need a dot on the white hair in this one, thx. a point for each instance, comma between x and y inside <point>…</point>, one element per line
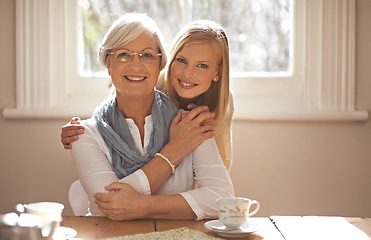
<point>127,28</point>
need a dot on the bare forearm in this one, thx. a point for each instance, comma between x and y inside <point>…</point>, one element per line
<point>186,134</point>
<point>158,170</point>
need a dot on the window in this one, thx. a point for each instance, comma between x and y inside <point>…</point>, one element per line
<point>260,32</point>
<point>318,83</point>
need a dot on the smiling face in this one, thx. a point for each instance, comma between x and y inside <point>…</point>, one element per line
<point>135,78</point>
<point>194,68</point>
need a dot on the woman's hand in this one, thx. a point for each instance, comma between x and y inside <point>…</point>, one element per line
<point>125,203</point>
<point>209,120</point>
<point>188,131</point>
<point>70,132</point>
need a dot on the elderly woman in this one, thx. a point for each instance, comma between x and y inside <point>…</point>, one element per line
<point>127,141</point>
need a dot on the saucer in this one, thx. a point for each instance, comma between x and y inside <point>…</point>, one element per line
<point>63,233</point>
<point>243,231</point>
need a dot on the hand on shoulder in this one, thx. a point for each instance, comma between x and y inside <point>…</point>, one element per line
<point>70,132</point>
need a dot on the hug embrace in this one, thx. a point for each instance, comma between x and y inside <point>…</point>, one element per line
<point>160,145</point>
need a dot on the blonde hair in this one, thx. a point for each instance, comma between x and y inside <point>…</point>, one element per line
<point>217,96</point>
<point>126,29</point>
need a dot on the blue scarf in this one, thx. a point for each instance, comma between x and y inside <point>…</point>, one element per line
<point>115,131</point>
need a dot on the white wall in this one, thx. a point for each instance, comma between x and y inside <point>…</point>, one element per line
<point>291,168</point>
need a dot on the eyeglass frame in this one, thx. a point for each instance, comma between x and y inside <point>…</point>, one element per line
<point>132,54</point>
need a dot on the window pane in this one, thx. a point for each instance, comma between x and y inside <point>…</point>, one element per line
<point>96,17</point>
<point>259,31</point>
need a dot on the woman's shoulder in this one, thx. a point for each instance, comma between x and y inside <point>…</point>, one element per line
<point>89,123</point>
<point>91,127</point>
<point>92,134</point>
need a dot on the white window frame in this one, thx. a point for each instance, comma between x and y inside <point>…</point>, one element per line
<point>322,86</point>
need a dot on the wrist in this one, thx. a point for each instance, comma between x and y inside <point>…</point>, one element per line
<point>171,165</point>
<point>147,206</point>
<point>172,153</point>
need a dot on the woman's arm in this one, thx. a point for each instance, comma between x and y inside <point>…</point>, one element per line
<point>91,157</point>
<point>72,130</point>
<point>94,168</point>
<point>186,133</point>
<point>212,178</point>
<point>211,175</point>
<point>125,203</point>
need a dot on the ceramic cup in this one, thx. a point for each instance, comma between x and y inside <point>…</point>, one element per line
<point>49,212</point>
<point>234,211</point>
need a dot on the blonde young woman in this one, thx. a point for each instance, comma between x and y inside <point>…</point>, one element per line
<point>138,146</point>
<point>198,48</point>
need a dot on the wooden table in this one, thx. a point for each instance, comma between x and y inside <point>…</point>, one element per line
<point>266,229</point>
<point>323,228</point>
<point>285,228</point>
<point>101,227</point>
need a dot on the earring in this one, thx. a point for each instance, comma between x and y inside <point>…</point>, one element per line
<point>215,79</point>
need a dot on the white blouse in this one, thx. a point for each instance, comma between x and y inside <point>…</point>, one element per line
<point>93,162</point>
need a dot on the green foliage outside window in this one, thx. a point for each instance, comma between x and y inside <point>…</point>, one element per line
<point>260,31</point>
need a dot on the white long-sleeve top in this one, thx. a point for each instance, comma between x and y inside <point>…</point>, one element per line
<point>93,162</point>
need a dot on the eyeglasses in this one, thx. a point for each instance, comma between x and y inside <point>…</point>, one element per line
<point>125,56</point>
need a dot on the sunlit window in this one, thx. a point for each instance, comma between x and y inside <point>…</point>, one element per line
<point>260,31</point>
<point>290,59</point>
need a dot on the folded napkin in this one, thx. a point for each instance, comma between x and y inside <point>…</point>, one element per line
<point>179,233</point>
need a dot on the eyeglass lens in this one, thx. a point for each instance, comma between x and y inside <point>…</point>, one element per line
<point>127,56</point>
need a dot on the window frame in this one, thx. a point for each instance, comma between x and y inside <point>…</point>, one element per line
<point>322,86</point>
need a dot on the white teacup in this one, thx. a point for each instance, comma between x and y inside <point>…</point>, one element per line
<point>49,212</point>
<point>234,211</point>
